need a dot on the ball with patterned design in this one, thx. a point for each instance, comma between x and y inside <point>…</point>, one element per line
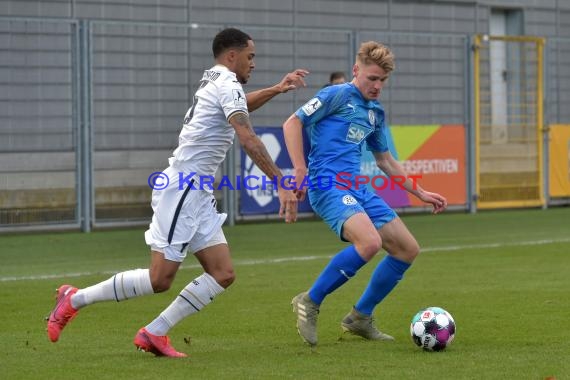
<point>432,329</point>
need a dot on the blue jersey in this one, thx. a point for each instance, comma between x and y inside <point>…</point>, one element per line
<point>338,121</point>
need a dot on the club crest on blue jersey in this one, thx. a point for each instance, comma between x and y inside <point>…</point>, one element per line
<point>371,117</point>
<point>311,106</point>
<point>356,133</point>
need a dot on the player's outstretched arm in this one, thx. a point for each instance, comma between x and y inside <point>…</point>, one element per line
<point>292,131</point>
<point>255,149</point>
<point>388,164</point>
<point>291,81</point>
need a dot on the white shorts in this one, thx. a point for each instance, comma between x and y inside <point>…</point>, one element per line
<point>184,219</point>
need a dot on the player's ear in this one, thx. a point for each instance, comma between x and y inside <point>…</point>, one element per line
<point>231,55</point>
<point>355,69</point>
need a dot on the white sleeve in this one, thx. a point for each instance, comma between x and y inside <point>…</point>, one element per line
<point>232,97</point>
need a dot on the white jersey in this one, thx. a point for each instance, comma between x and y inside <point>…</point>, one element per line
<point>207,135</point>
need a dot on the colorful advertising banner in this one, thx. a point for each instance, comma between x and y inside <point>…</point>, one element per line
<point>434,155</point>
<point>559,168</point>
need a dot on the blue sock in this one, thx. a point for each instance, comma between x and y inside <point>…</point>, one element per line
<point>384,278</point>
<point>339,270</point>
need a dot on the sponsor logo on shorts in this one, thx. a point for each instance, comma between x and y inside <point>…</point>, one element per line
<point>349,200</point>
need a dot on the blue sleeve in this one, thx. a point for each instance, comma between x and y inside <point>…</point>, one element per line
<point>321,105</point>
<point>377,141</point>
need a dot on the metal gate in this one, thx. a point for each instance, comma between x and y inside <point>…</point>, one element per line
<point>508,72</point>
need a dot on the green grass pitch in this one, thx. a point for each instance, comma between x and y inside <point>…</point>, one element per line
<point>503,275</point>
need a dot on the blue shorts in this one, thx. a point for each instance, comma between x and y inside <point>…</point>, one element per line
<point>335,206</point>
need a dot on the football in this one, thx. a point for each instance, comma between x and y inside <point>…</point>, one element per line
<point>432,329</point>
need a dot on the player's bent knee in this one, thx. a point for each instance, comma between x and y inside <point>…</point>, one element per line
<point>160,285</point>
<point>412,251</point>
<point>415,252</point>
<point>369,248</point>
<point>224,277</point>
<point>375,246</point>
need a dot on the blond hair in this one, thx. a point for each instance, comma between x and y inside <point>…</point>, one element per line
<point>374,52</point>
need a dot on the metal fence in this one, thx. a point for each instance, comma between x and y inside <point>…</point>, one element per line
<point>89,109</point>
<point>39,123</point>
<point>557,77</point>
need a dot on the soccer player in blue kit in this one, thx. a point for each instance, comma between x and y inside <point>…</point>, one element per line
<point>338,120</point>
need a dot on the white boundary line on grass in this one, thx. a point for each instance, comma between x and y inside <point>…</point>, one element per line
<point>301,258</point>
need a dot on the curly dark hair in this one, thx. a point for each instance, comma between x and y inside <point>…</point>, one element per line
<point>229,38</point>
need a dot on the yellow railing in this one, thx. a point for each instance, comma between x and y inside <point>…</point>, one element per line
<point>508,97</point>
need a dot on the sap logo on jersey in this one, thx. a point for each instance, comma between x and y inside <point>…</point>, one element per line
<point>356,133</point>
<point>311,106</point>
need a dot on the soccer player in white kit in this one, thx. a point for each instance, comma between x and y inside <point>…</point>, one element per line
<point>185,216</point>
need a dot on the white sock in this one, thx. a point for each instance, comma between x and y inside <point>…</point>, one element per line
<point>193,298</point>
<point>120,287</point>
